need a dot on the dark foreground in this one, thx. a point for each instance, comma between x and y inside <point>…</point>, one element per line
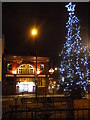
<point>45,108</point>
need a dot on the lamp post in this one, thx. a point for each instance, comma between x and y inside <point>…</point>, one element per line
<point>34,33</point>
<point>51,71</point>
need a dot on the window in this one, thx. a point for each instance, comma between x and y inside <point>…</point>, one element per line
<point>42,67</point>
<point>9,66</point>
<point>25,87</point>
<point>26,69</point>
<point>43,82</point>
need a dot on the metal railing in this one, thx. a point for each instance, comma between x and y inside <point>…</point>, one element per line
<point>46,111</point>
<point>47,114</point>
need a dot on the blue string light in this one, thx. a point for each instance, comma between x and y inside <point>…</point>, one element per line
<point>74,64</point>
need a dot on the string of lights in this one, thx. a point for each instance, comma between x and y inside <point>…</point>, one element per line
<point>74,65</point>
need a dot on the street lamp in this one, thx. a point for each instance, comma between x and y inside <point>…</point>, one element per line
<point>34,33</point>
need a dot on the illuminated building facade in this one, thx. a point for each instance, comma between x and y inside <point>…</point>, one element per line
<point>19,74</point>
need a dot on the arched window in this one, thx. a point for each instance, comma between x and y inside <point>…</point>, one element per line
<point>25,69</point>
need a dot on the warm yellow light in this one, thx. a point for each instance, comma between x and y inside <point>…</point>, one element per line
<point>38,71</point>
<point>89,81</point>
<point>34,32</point>
<point>54,82</point>
<point>55,68</point>
<point>14,72</point>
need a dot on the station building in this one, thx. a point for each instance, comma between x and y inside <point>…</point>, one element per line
<point>20,75</point>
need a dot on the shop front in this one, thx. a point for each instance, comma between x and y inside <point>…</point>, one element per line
<point>25,87</point>
<point>19,74</point>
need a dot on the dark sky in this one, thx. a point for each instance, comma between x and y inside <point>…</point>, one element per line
<point>49,18</point>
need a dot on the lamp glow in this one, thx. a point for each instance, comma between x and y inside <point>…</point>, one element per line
<point>38,71</point>
<point>34,32</point>
<point>14,72</point>
<point>55,68</point>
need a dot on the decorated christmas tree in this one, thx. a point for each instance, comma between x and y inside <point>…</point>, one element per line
<point>74,65</point>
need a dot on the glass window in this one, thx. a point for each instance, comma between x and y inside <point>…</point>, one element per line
<point>25,69</point>
<point>42,67</point>
<point>25,87</point>
<point>43,82</point>
<point>9,66</point>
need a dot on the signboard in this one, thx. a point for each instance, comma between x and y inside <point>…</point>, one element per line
<point>51,71</point>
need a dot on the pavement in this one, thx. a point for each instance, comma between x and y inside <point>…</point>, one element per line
<point>5,98</point>
<point>33,95</point>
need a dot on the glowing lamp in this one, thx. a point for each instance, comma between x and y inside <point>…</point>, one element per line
<point>54,82</point>
<point>38,71</point>
<point>51,71</point>
<point>89,81</point>
<point>34,32</point>
<point>14,72</point>
<point>55,68</point>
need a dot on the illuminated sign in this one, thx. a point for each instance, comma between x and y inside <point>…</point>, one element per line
<point>51,71</point>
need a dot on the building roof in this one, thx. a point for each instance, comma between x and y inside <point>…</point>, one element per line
<point>25,58</point>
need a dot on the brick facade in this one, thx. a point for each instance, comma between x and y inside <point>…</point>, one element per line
<point>19,74</point>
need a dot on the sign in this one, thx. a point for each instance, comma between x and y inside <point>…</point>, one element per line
<point>51,71</point>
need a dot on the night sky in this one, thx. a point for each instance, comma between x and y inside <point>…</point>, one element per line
<point>49,18</point>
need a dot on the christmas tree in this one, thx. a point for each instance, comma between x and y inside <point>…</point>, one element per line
<point>74,65</point>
